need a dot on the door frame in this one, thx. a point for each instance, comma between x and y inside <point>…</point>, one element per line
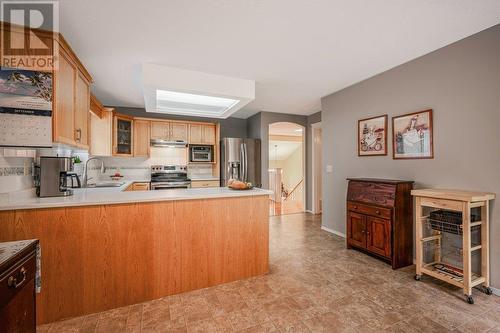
<point>315,171</point>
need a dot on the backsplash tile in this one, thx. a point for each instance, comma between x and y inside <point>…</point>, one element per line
<point>13,171</point>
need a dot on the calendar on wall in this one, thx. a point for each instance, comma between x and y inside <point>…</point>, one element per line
<point>25,108</point>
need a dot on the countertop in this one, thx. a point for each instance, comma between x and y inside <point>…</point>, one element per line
<point>116,195</point>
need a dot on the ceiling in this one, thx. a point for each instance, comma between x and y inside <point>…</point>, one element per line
<point>296,50</point>
<point>281,150</point>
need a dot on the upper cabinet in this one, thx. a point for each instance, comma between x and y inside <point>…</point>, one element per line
<point>64,95</point>
<point>123,135</point>
<point>179,131</point>
<point>169,131</point>
<point>202,134</point>
<point>71,118</point>
<point>82,114</point>
<point>160,130</point>
<point>141,138</point>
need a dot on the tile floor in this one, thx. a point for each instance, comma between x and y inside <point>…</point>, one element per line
<point>315,285</point>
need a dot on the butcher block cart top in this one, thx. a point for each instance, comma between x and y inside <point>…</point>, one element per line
<point>463,213</point>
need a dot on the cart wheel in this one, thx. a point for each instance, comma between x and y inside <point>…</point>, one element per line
<point>488,291</point>
<point>470,300</point>
<point>418,277</point>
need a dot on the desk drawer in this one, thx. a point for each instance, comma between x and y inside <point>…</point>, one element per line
<point>16,278</point>
<point>369,210</point>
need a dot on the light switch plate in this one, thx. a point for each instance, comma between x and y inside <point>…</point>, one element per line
<point>329,168</point>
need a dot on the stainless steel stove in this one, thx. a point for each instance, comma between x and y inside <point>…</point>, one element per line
<point>164,177</point>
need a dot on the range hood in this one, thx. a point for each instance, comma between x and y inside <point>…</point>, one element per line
<point>168,144</point>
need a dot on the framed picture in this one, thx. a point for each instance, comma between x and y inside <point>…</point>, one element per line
<point>412,136</point>
<point>372,136</point>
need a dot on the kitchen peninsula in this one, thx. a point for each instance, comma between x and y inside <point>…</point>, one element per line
<point>106,248</point>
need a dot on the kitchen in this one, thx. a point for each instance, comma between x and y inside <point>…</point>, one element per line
<point>137,153</point>
<point>100,188</point>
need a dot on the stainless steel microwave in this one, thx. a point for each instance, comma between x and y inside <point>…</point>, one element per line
<point>201,153</point>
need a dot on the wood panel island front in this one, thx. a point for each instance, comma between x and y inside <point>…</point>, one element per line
<point>102,256</point>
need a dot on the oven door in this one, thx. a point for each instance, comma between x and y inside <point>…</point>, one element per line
<point>170,185</point>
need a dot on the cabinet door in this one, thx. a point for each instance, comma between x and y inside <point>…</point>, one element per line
<point>378,236</point>
<point>208,134</point>
<point>64,115</point>
<point>356,229</point>
<point>195,133</point>
<point>141,138</point>
<point>206,183</point>
<point>160,130</point>
<point>82,107</point>
<point>178,131</point>
<point>122,136</point>
<point>101,134</point>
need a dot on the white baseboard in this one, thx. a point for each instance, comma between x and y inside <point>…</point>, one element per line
<point>332,231</point>
<point>496,291</point>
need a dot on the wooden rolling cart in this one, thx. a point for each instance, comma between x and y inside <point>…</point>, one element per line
<point>461,213</point>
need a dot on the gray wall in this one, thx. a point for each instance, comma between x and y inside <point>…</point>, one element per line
<point>314,118</point>
<point>230,127</point>
<point>461,82</point>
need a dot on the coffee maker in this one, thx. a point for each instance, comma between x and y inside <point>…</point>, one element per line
<point>51,176</point>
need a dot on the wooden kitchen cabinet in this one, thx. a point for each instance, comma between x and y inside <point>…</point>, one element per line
<point>123,135</point>
<point>17,286</point>
<point>70,91</point>
<point>138,187</point>
<point>64,96</point>
<point>179,131</point>
<point>71,95</point>
<point>208,134</point>
<point>101,132</point>
<point>82,114</point>
<point>169,131</point>
<point>141,138</point>
<point>205,183</point>
<point>380,219</point>
<point>202,134</point>
<point>160,130</point>
<point>195,133</point>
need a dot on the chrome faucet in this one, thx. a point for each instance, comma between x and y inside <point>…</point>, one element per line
<point>85,170</point>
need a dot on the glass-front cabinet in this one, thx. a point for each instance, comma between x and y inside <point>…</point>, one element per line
<point>122,135</point>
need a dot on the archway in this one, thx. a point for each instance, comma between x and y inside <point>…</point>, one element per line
<point>287,168</point>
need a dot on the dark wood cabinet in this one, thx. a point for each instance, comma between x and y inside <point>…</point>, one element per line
<point>17,286</point>
<point>380,219</point>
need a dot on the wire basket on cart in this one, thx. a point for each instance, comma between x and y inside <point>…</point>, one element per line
<point>450,221</point>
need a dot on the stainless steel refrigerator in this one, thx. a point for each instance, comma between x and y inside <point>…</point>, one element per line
<point>240,159</point>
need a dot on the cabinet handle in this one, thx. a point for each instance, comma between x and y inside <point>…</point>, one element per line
<point>355,207</point>
<point>79,134</point>
<point>378,212</point>
<point>12,282</point>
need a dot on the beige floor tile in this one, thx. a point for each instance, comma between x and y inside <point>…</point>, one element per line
<point>315,285</point>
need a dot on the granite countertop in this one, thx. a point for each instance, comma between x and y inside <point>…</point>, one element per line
<point>116,195</point>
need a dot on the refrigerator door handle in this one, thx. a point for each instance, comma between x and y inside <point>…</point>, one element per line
<point>246,162</point>
<point>243,165</point>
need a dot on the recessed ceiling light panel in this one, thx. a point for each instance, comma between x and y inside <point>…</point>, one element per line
<point>184,103</point>
<point>183,92</point>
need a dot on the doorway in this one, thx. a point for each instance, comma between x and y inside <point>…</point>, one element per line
<point>286,168</point>
<point>317,197</point>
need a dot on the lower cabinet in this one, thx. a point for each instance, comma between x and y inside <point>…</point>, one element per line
<point>17,287</point>
<point>369,233</point>
<point>205,183</point>
<point>138,187</point>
